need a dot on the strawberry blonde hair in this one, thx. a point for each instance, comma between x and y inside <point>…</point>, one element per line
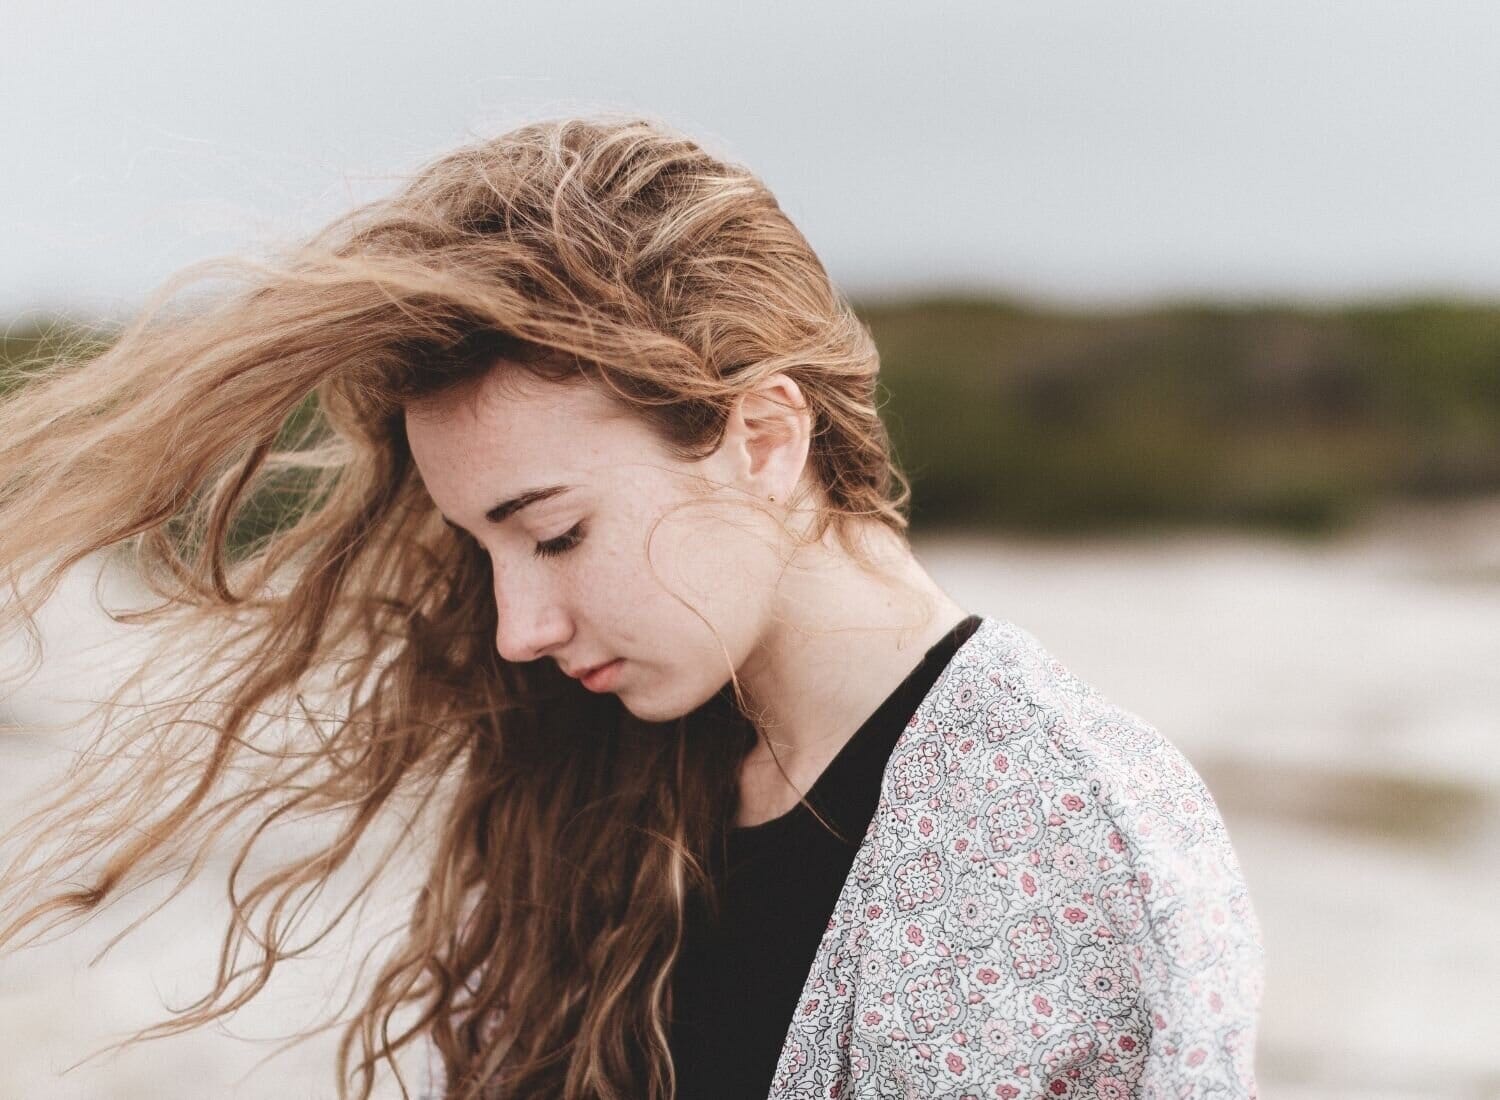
<point>249,454</point>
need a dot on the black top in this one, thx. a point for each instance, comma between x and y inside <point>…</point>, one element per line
<point>736,983</point>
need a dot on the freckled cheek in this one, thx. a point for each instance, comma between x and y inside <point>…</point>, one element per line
<point>713,563</point>
<point>607,570</point>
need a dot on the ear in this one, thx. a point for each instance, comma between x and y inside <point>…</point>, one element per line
<point>767,437</point>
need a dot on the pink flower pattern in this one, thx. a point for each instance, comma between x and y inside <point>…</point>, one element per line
<point>1073,924</point>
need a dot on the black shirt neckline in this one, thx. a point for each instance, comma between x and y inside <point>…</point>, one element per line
<point>743,963</point>
<point>827,792</point>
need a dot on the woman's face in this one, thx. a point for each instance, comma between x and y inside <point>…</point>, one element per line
<point>571,574</point>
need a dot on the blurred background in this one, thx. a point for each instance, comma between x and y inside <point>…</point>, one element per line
<point>1190,323</point>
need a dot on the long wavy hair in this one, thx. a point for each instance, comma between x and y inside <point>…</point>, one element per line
<point>246,449</point>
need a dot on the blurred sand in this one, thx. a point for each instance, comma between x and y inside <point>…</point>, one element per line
<point>1340,698</point>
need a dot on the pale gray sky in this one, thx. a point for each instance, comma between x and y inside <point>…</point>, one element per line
<point>1083,150</point>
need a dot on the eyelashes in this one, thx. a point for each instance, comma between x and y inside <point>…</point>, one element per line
<point>562,544</point>
<point>551,548</point>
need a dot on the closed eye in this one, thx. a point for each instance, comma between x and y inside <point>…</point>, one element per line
<point>560,545</point>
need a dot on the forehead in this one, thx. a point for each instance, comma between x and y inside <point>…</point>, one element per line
<point>505,433</point>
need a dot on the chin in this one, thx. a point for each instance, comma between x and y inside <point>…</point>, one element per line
<point>653,710</point>
<point>662,709</point>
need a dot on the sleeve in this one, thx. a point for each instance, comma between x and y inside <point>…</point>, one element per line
<point>1199,960</point>
<point>1172,895</point>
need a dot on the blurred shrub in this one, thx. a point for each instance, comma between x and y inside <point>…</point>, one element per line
<point>1052,421</point>
<point>1273,416</point>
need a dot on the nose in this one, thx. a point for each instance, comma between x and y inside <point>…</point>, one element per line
<point>529,623</point>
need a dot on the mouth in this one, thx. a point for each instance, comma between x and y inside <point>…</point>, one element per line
<point>601,677</point>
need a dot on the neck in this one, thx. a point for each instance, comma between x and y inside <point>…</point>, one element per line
<point>839,642</point>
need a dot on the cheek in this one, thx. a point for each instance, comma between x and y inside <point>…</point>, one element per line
<point>721,563</point>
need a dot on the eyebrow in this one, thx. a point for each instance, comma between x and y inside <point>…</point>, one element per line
<point>507,508</point>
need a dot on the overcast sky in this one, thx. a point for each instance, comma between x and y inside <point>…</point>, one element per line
<point>1080,150</point>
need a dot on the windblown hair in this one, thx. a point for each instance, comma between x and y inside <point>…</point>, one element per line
<point>569,835</point>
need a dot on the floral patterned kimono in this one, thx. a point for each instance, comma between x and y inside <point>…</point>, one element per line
<point>1045,905</point>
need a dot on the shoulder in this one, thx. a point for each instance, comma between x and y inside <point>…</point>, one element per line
<point>1010,717</point>
<point>1074,858</point>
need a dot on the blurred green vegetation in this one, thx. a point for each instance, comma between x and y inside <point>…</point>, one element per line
<point>1272,416</point>
<point>1017,418</point>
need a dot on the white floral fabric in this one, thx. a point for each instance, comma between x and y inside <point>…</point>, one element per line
<point>1046,904</point>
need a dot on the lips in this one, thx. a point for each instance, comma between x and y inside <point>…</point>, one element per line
<point>605,677</point>
<point>580,673</point>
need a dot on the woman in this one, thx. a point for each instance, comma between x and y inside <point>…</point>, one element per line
<point>558,480</point>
